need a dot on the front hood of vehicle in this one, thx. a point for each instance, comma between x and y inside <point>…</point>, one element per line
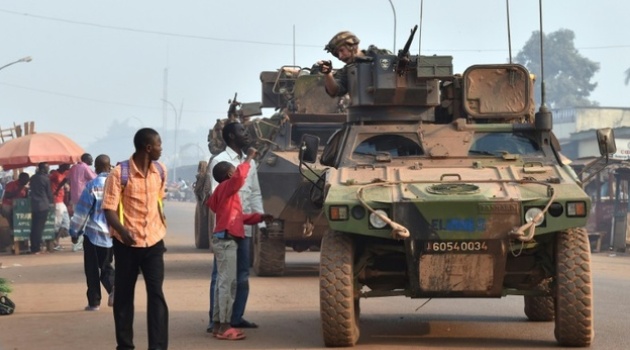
<point>488,201</point>
<point>417,183</point>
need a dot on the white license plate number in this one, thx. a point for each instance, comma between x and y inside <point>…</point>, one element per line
<point>455,247</point>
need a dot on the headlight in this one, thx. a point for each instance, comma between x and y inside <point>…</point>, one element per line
<point>376,221</point>
<point>358,212</point>
<point>531,213</point>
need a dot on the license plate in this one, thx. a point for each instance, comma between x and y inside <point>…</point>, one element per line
<point>432,247</point>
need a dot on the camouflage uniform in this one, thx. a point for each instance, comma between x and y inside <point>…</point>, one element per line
<point>341,75</point>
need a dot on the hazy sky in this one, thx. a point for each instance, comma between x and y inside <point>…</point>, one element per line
<point>95,62</point>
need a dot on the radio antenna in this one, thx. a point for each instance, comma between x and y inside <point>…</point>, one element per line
<point>542,60</point>
<point>420,32</point>
<point>509,31</point>
<point>543,119</point>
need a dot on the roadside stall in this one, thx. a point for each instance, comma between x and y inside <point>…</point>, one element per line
<point>22,225</point>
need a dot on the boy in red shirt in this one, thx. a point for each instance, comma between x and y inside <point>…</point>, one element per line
<point>226,204</point>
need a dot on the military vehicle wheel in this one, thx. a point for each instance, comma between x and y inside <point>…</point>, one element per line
<point>269,255</point>
<point>574,289</point>
<point>540,309</point>
<point>338,306</point>
<point>202,239</point>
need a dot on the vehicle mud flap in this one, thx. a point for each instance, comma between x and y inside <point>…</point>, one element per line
<point>269,254</point>
<point>442,268</point>
<point>202,226</point>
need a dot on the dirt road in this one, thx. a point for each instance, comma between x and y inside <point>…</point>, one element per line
<point>49,291</point>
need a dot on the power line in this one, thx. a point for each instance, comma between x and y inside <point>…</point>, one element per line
<point>154,32</point>
<point>202,37</point>
<point>99,101</point>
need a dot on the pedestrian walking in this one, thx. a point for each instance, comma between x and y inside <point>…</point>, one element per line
<point>79,175</point>
<point>89,221</point>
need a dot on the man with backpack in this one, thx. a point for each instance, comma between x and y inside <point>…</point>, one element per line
<point>78,176</point>
<point>89,220</point>
<point>132,201</point>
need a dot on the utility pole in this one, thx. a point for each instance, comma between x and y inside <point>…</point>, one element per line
<point>164,105</point>
<point>178,117</point>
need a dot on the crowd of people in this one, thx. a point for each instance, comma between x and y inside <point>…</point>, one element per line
<point>48,194</point>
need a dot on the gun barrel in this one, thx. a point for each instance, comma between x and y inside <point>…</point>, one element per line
<point>403,55</point>
<point>405,50</point>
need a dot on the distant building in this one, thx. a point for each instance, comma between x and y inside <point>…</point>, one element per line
<point>575,129</point>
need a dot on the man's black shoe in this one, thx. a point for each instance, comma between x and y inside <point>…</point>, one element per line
<point>245,324</point>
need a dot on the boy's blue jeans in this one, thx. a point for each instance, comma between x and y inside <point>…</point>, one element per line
<point>243,258</point>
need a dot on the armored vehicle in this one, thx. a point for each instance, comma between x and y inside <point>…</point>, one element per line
<point>302,106</point>
<point>444,185</point>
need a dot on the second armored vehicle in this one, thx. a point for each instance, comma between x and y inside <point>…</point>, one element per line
<point>302,107</point>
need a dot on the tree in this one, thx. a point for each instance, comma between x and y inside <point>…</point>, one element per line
<point>568,74</point>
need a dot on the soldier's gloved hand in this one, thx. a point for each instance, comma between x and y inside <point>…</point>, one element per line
<point>325,67</point>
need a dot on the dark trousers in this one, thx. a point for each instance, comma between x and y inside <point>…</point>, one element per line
<point>129,261</point>
<point>38,221</point>
<point>97,264</point>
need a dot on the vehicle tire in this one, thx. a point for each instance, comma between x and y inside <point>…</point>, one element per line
<point>202,239</point>
<point>540,309</point>
<point>338,305</point>
<point>269,255</point>
<point>574,289</point>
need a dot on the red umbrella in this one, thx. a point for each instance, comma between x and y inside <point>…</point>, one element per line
<point>32,149</point>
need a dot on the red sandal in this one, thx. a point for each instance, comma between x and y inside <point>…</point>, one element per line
<point>231,334</point>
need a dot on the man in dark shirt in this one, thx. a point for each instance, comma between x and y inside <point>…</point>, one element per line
<point>41,204</point>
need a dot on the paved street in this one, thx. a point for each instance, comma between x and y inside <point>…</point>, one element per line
<point>49,291</point>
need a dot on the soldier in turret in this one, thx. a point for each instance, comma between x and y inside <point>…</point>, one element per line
<point>345,47</point>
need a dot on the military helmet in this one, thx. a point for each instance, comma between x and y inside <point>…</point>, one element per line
<point>341,38</point>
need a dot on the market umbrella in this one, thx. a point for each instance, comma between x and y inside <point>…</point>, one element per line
<point>32,149</point>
